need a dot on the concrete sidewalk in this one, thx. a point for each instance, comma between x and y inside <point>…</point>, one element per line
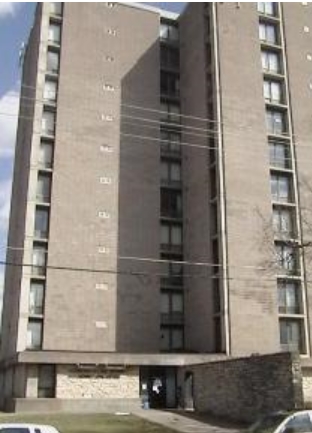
<point>182,423</point>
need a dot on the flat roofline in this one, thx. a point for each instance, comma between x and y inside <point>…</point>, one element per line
<point>112,358</point>
<point>163,14</point>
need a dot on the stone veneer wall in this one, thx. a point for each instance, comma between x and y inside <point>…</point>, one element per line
<point>244,388</point>
<point>71,384</point>
<point>307,386</point>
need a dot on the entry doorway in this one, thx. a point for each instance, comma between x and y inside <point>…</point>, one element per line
<point>158,385</point>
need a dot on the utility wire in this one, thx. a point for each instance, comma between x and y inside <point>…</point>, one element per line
<point>143,274</point>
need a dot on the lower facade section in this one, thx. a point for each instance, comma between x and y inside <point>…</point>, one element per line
<point>235,388</point>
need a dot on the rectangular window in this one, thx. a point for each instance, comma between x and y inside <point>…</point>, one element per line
<point>46,381</point>
<point>34,334</point>
<point>289,298</point>
<point>276,122</point>
<point>165,339</point>
<point>41,222</point>
<point>280,156</point>
<point>171,339</point>
<point>170,143</point>
<point>169,57</point>
<point>270,61</point>
<point>272,91</point>
<point>36,297</point>
<point>169,84</point>
<point>39,259</point>
<point>170,173</point>
<point>281,188</point>
<point>171,274</point>
<point>169,32</point>
<point>268,33</point>
<point>171,308</point>
<point>283,222</point>
<point>171,203</point>
<point>56,8</point>
<point>50,89</point>
<point>217,334</point>
<point>286,259</point>
<point>45,158</point>
<point>170,113</point>
<point>171,237</point>
<point>177,339</point>
<point>43,188</point>
<point>48,123</point>
<point>216,296</point>
<point>53,62</point>
<point>292,335</point>
<point>54,34</point>
<point>267,8</point>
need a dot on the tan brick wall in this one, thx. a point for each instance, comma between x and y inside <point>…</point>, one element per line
<point>110,384</point>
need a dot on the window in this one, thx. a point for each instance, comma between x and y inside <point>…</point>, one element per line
<point>36,295</point>
<point>170,173</point>
<point>270,61</point>
<point>283,222</point>
<point>169,57</point>
<point>281,189</point>
<point>272,91</point>
<point>300,423</point>
<point>169,84</point>
<point>171,237</point>
<point>286,258</point>
<point>14,430</point>
<point>280,155</point>
<point>171,308</point>
<point>291,335</point>
<point>50,89</point>
<point>53,62</point>
<point>171,274</point>
<point>56,8</point>
<point>170,143</point>
<point>276,122</point>
<point>45,158</point>
<point>289,297</point>
<point>214,218</point>
<point>43,187</point>
<point>41,222</point>
<point>217,334</point>
<point>48,122</point>
<point>39,259</point>
<point>170,113</point>
<point>169,32</point>
<point>267,8</point>
<point>46,381</point>
<point>34,334</point>
<point>213,182</point>
<point>216,296</point>
<point>54,35</point>
<point>171,203</point>
<point>268,33</point>
<point>171,339</point>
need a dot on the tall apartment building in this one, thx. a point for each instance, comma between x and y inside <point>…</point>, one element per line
<point>161,201</point>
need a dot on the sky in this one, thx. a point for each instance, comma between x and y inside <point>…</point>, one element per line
<point>15,23</point>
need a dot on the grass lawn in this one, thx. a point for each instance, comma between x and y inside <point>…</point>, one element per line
<point>89,423</point>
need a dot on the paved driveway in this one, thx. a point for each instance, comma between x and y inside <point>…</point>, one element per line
<point>184,423</point>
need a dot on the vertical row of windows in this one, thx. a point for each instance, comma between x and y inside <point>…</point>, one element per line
<point>289,285</point>
<point>171,206</point>
<point>44,182</point>
<point>215,253</point>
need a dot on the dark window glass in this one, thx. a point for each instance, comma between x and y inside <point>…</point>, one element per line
<point>171,203</point>
<point>46,381</point>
